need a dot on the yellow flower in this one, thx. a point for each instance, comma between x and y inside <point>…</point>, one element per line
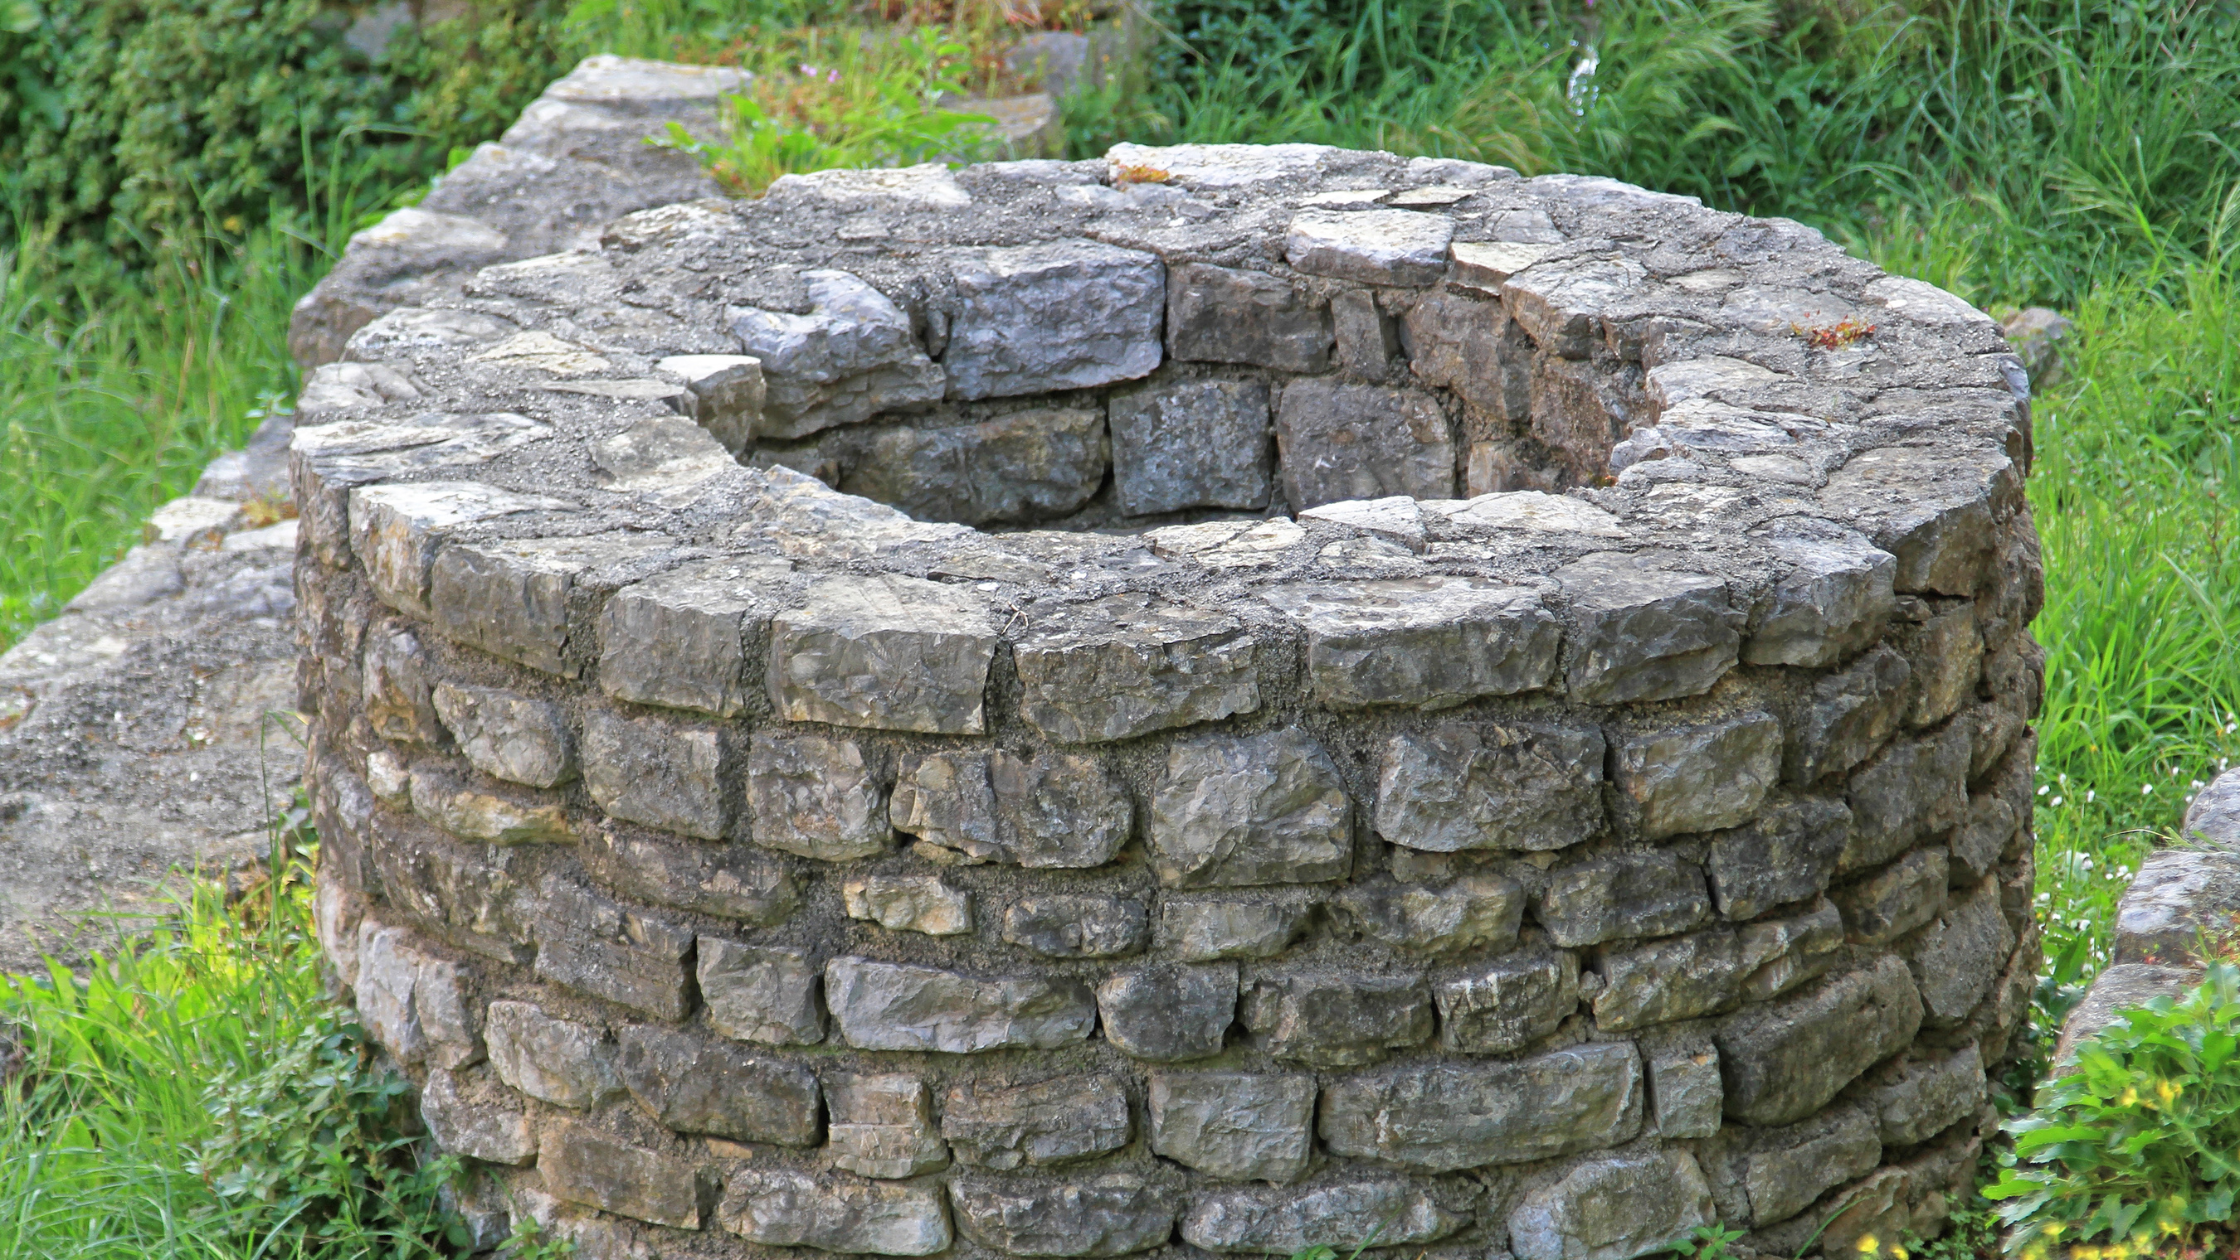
<point>1899,1253</point>
<point>2035,1251</point>
<point>2128,1098</point>
<point>2168,1091</point>
<point>1868,1246</point>
<point>2054,1230</point>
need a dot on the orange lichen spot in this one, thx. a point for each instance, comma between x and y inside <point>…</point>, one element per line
<point>1140,174</point>
<point>1836,336</point>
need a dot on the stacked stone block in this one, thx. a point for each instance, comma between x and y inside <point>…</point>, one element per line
<point>1501,741</point>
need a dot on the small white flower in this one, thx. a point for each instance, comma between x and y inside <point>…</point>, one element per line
<point>2146,789</point>
<point>2055,802</point>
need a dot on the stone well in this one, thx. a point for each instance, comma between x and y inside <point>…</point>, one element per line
<point>1213,700</point>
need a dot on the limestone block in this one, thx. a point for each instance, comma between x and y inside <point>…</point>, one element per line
<point>1642,632</point>
<point>1703,776</point>
<point>477,889</point>
<point>1261,809</point>
<point>1991,825</point>
<point>1470,912</point>
<point>780,1207</point>
<point>1020,466</point>
<point>1896,899</point>
<point>2214,816</point>
<point>1916,787</point>
<point>926,186</point>
<point>1432,642</point>
<point>507,735</point>
<point>882,1125</point>
<point>1460,343</point>
<point>2119,988</point>
<point>583,1165</point>
<point>816,797</point>
<point>496,1135</point>
<point>908,903</point>
<point>1337,440</point>
<point>1206,929</point>
<point>1935,509</point>
<point>1329,1019</point>
<point>765,993</point>
<point>1788,853</point>
<point>1076,925</point>
<point>1448,1116</point>
<point>1227,315</point>
<point>1126,665</point>
<point>1286,1222</point>
<point>723,393</point>
<point>398,696</point>
<point>1782,1171</point>
<point>687,639</point>
<point>414,1003</point>
<point>2178,897</point>
<point>1451,787</point>
<point>1848,716</point>
<point>1057,1121</point>
<point>1195,443</point>
<point>1507,1003</point>
<point>349,386</point>
<point>1706,972</point>
<point>727,881</point>
<point>552,1060</point>
<point>1487,265</point>
<point>1787,952</point>
<point>1622,894</point>
<point>1957,958</point>
<point>1167,1013</point>
<point>1368,340</point>
<point>1922,1097</point>
<point>608,950</point>
<point>1238,1126</point>
<point>664,774</point>
<point>512,599</point>
<point>1947,660</point>
<point>697,1086</point>
<point>328,462</point>
<point>474,811</point>
<point>851,357</point>
<point>1613,1208</point>
<point>1057,810</point>
<point>1560,302</point>
<point>893,653</point>
<point>1058,315</point>
<point>1395,247</point>
<point>396,530</point>
<point>1112,1215</point>
<point>1833,599</point>
<point>895,1006</point>
<point>1784,1060</point>
<point>1684,1091</point>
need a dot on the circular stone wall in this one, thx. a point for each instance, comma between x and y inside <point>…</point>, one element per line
<point>1485,711</point>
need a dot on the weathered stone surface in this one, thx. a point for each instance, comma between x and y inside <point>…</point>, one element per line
<point>765,993</point>
<point>557,1061</point>
<point>1060,315</point>
<point>663,774</point>
<point>1645,632</point>
<point>512,598</point>
<point>1782,1171</point>
<point>1126,665</point>
<point>1470,347</point>
<point>583,1165</point>
<point>1166,1012</point>
<point>1788,853</point>
<point>1956,959</point>
<point>1787,952</point>
<point>1530,786</point>
<point>1784,1060</point>
<point>1227,315</point>
<point>686,639</point>
<point>1947,660</point>
<point>1368,340</point>
<point>1622,894</point>
<point>1433,642</point>
<point>1935,509</point>
<point>507,735</point>
<point>493,815</point>
<point>1980,840</point>
<point>697,1086</point>
<point>1443,1117</point>
<point>1560,301</point>
<point>2118,989</point>
<point>612,951</point>
<point>1833,600</point>
<point>1077,925</point>
<point>2178,897</point>
<point>849,358</point>
<point>723,393</point>
<point>1700,777</point>
<point>1704,973</point>
<point>1206,929</point>
<point>727,881</point>
<point>1916,787</point>
<point>2214,816</point>
<point>1508,1003</point>
<point>1329,1019</point>
<point>1021,466</point>
<point>1397,247</point>
<point>1923,1097</point>
<point>1613,1208</point>
<point>1197,443</point>
<point>1472,911</point>
<point>398,695</point>
<point>462,1126</point>
<point>1285,1222</point>
<point>892,653</point>
<point>1239,1126</point>
<point>895,1006</point>
<point>1896,899</point>
<point>396,530</point>
<point>816,797</point>
<point>1848,716</point>
<point>1685,1096</point>
<point>478,890</point>
<point>1261,809</point>
<point>1057,1121</point>
<point>412,1002</point>
<point>882,1125</point>
<point>1337,440</point>
<point>908,903</point>
<point>1113,1215</point>
<point>780,1207</point>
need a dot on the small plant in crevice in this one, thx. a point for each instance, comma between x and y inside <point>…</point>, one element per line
<point>1707,1242</point>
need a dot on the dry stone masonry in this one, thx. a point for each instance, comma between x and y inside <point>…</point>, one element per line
<point>1207,701</point>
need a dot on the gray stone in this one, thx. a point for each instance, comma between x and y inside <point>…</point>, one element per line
<point>412,1003</point>
<point>1327,1019</point>
<point>1528,785</point>
<point>1057,1121</point>
<point>893,653</point>
<point>1396,247</point>
<point>908,903</point>
<point>1788,853</point>
<point>1957,958</point>
<point>667,459</point>
<point>1787,952</point>
<point>1613,1208</point>
<point>1947,662</point>
<point>1239,1126</point>
<point>477,889</point>
<point>493,1134</point>
<point>686,639</point>
<point>2179,898</point>
<point>1508,1003</point>
<point>1077,926</point>
<point>513,598</point>
<point>946,800</point>
<point>2214,817</point>
<point>723,393</point>
<point>697,1086</point>
<point>765,993</point>
<point>2118,989</point>
<point>724,880</point>
<point>1368,340</point>
<point>1934,508</point>
<point>1196,443</point>
<point>1058,810</point>
<point>396,530</point>
<point>882,1125</point>
<point>1059,315</point>
<point>1021,466</point>
<point>1848,716</point>
<point>1916,787</point>
<point>1227,315</point>
<point>1432,642</point>
<point>816,797</point>
<point>895,1006</point>
<point>582,1165</point>
<point>1680,977</point>
<point>1782,1171</point>
<point>851,357</point>
<point>399,698</point>
<point>1449,1116</point>
<point>1472,911</point>
<point>1113,1215</point>
<point>1923,1097</point>
<point>1126,665</point>
<point>1471,347</point>
<point>1896,899</point>
<point>552,1060</point>
<point>661,773</point>
<point>1261,809</point>
<point>1622,894</point>
<point>1704,776</point>
<point>1784,1060</point>
<point>1208,929</point>
<point>1685,1096</point>
<point>493,815</point>
<point>1560,302</point>
<point>1643,632</point>
<point>780,1207</point>
<point>1341,1216</point>
<point>1833,600</point>
<point>1337,440</point>
<point>507,735</point>
<point>612,951</point>
<point>1167,1012</point>
<point>1983,837</point>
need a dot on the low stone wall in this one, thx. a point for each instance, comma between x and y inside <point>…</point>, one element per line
<point>1507,729</point>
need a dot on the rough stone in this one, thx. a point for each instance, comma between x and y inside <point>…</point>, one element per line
<point>1286,1222</point>
<point>1472,911</point>
<point>2178,898</point>
<point>892,653</point>
<point>1788,853</point>
<point>1980,841</point>
<point>723,393</point>
<point>1916,787</point>
<point>1685,1096</point>
<point>1643,632</point>
<point>1833,600</point>
<point>1199,443</point>
<point>896,1006</point>
<point>1057,810</point>
<point>1021,466</point>
<point>1621,894</point>
<point>1077,925</point>
<point>686,639</point>
<point>1787,952</point>
<point>1060,315</point>
<point>696,1086</point>
<point>1336,440</point>
<point>398,695</point>
<point>512,598</point>
<point>764,993</point>
<point>1261,809</point>
<point>1923,1097</point>
<point>908,903</point>
<point>1209,929</point>
<point>1368,339</point>
<point>1227,315</point>
<point>1848,716</point>
<point>1239,1126</point>
<point>472,811</point>
<point>612,951</point>
<point>882,1125</point>
<point>849,358</point>
<point>507,735</point>
<point>816,797</point>
<point>1057,1121</point>
<point>2119,988</point>
<point>1444,1117</point>
<point>1432,642</point>
<point>2214,816</point>
<point>1896,899</point>
<point>1333,1019</point>
<point>1508,1003</point>
<point>1784,1060</point>
<point>1469,346</point>
<point>1127,665</point>
<point>1613,1208</point>
<point>1935,509</point>
<point>727,881</point>
<point>1167,1013</point>
<point>1559,301</point>
<point>663,774</point>
<point>1112,1215</point>
<point>1782,1171</point>
<point>395,531</point>
<point>1396,247</point>
<point>1700,777</point>
<point>414,1003</point>
<point>779,1207</point>
<point>1956,959</point>
<point>1529,786</point>
<point>582,1165</point>
<point>493,1134</point>
<point>1947,662</point>
<point>552,1060</point>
